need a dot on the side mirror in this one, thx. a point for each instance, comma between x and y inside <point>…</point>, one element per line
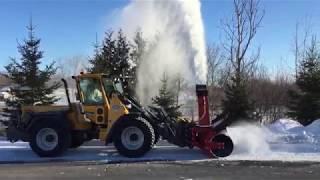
<point>82,109</point>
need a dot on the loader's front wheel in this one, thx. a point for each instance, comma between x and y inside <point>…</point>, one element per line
<point>156,137</point>
<point>134,137</point>
<point>49,139</point>
<point>76,140</point>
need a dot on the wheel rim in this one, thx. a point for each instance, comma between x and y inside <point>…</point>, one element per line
<point>47,139</point>
<point>132,138</point>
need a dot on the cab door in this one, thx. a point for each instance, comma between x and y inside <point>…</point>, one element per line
<point>93,99</point>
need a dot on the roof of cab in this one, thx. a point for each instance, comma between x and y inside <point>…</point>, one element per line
<point>90,75</point>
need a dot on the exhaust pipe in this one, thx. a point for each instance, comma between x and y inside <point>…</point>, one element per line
<point>67,92</point>
<point>203,105</point>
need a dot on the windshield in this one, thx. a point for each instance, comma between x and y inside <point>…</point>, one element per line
<point>91,91</point>
<point>111,86</point>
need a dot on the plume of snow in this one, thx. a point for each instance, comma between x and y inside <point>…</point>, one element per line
<point>249,139</point>
<point>175,30</point>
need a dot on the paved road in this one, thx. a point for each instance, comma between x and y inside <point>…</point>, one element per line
<point>164,170</point>
<point>96,151</point>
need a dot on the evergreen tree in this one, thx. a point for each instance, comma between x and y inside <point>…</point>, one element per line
<point>103,55</point>
<point>97,62</point>
<point>32,82</point>
<point>236,103</point>
<point>122,66</point>
<point>304,102</point>
<point>138,50</point>
<point>166,99</point>
<point>113,59</point>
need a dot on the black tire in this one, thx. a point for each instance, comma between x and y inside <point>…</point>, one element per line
<point>228,146</point>
<point>62,138</point>
<point>156,137</point>
<point>76,140</point>
<point>145,129</point>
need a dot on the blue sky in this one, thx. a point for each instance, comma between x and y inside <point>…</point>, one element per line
<point>68,28</point>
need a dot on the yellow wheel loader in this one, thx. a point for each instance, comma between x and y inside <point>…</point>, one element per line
<point>106,113</point>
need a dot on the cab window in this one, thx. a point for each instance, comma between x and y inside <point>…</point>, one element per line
<point>91,91</point>
<point>108,86</point>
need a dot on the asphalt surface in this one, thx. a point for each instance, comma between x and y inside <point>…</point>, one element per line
<point>213,170</point>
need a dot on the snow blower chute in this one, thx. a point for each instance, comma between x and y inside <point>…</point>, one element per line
<point>212,140</point>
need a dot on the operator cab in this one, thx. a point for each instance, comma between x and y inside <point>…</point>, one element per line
<point>98,94</point>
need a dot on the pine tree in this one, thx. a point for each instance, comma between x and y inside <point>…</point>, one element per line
<point>97,62</point>
<point>32,82</point>
<point>236,103</point>
<point>113,59</point>
<point>122,68</point>
<point>304,102</point>
<point>103,56</point>
<point>166,99</point>
<point>138,50</point>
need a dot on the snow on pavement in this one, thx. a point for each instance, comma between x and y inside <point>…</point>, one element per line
<point>21,152</point>
<point>284,140</point>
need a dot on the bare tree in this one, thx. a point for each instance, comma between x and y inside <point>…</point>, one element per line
<point>178,85</point>
<point>240,31</point>
<point>71,66</point>
<point>269,94</point>
<point>300,42</point>
<point>217,75</point>
<point>214,61</point>
<point>4,81</point>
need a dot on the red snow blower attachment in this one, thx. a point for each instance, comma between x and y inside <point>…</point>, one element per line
<point>212,141</point>
<point>209,137</point>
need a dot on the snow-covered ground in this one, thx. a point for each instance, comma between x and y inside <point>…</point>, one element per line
<point>21,153</point>
<point>284,140</point>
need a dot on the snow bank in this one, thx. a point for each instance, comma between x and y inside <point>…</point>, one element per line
<point>283,125</point>
<point>290,131</point>
<point>284,137</point>
<point>314,128</point>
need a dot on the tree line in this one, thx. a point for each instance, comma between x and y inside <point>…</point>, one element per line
<point>243,89</point>
<point>115,56</point>
<point>239,87</point>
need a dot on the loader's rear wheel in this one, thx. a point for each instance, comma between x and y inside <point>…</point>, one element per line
<point>49,139</point>
<point>227,146</point>
<point>133,137</point>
